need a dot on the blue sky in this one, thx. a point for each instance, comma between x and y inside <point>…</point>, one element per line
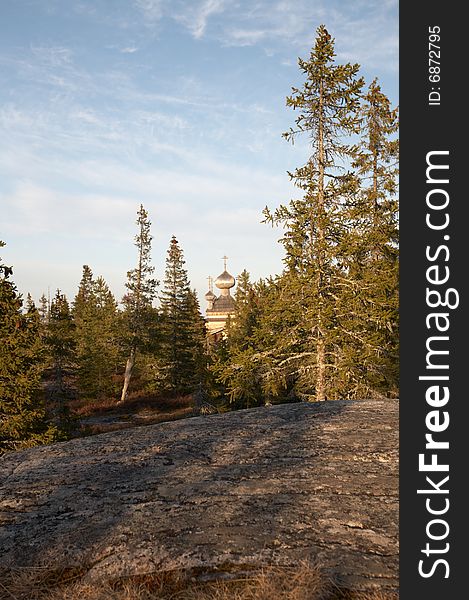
<point>176,104</point>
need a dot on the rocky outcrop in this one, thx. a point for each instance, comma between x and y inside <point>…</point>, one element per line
<point>263,486</point>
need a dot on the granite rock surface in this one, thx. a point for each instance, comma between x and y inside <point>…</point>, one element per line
<point>271,485</point>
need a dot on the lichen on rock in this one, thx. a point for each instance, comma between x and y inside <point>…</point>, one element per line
<point>272,485</point>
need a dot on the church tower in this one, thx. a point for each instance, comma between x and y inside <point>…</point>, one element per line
<point>219,308</point>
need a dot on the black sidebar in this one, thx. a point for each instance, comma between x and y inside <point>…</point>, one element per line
<point>434,434</point>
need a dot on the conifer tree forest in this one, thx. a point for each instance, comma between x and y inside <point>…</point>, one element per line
<point>324,328</point>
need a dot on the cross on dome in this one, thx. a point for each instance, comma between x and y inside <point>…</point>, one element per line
<point>225,281</point>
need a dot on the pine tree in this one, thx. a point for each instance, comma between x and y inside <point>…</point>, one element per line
<point>315,225</point>
<point>23,420</point>
<point>182,328</point>
<point>138,301</point>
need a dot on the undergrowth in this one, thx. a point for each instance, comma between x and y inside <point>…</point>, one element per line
<point>305,582</point>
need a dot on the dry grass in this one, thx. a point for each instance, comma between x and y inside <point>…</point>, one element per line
<point>306,582</point>
<point>135,403</point>
<point>137,421</point>
<point>104,415</point>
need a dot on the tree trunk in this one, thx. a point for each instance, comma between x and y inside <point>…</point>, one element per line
<point>375,250</point>
<point>321,376</point>
<point>129,367</point>
<point>321,235</point>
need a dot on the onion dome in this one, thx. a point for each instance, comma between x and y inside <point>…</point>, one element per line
<point>210,296</point>
<point>225,281</point>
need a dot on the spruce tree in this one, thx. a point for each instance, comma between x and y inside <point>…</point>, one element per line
<point>60,344</point>
<point>137,302</point>
<point>44,309</point>
<point>83,312</point>
<point>107,347</point>
<point>95,319</point>
<point>83,299</point>
<point>197,339</point>
<point>371,355</point>
<point>23,419</point>
<point>182,328</point>
<point>241,330</point>
<point>60,337</point>
<point>30,304</point>
<point>328,107</point>
<point>243,362</point>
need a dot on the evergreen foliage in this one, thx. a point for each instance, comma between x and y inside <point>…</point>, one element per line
<point>97,350</point>
<point>255,362</point>
<point>138,312</point>
<point>375,260</point>
<point>182,328</point>
<point>23,420</point>
<point>60,338</point>
<point>44,310</point>
<point>234,360</point>
<point>317,224</point>
<point>327,326</point>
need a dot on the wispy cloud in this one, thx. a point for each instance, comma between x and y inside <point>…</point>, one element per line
<point>152,9</point>
<point>53,56</point>
<point>195,16</point>
<point>366,31</point>
<point>87,116</point>
<point>245,37</point>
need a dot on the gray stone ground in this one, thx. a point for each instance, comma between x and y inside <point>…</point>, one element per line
<point>269,485</point>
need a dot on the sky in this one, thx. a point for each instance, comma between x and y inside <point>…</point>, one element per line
<point>178,105</point>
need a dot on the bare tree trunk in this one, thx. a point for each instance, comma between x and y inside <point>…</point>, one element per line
<point>129,367</point>
<point>321,376</point>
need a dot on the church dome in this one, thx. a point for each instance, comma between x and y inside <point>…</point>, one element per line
<point>210,296</point>
<point>225,281</point>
